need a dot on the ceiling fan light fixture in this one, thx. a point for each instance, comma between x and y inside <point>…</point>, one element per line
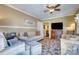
<point>52,7</point>
<point>51,10</point>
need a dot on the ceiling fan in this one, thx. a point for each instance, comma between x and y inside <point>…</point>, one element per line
<point>51,8</point>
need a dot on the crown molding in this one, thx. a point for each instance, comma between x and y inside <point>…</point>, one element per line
<point>21,11</point>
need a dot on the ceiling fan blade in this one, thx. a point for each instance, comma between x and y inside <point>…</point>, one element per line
<point>46,10</point>
<point>57,5</point>
<point>47,6</point>
<point>57,9</point>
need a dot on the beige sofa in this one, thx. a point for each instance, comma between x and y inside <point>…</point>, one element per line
<point>31,36</point>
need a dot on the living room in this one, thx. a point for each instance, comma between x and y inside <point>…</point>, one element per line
<point>23,32</point>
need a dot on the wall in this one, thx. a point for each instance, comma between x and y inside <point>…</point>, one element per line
<point>67,21</point>
<point>11,17</point>
<point>40,28</point>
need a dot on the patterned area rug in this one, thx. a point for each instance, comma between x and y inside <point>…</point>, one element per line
<point>51,46</point>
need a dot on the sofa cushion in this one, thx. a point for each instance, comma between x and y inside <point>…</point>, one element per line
<point>13,41</point>
<point>15,49</point>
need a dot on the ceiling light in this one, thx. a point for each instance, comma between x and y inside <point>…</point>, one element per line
<point>51,10</point>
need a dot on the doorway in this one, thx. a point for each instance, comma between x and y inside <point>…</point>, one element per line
<point>46,29</point>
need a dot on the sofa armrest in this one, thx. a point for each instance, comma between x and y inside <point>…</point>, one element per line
<point>15,49</point>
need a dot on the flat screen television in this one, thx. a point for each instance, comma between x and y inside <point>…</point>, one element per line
<point>57,25</point>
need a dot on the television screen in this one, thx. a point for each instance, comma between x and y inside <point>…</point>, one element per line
<point>57,25</point>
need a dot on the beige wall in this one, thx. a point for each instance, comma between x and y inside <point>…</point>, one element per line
<point>11,17</point>
<point>67,21</point>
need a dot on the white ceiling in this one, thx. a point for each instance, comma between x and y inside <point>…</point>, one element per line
<point>37,10</point>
